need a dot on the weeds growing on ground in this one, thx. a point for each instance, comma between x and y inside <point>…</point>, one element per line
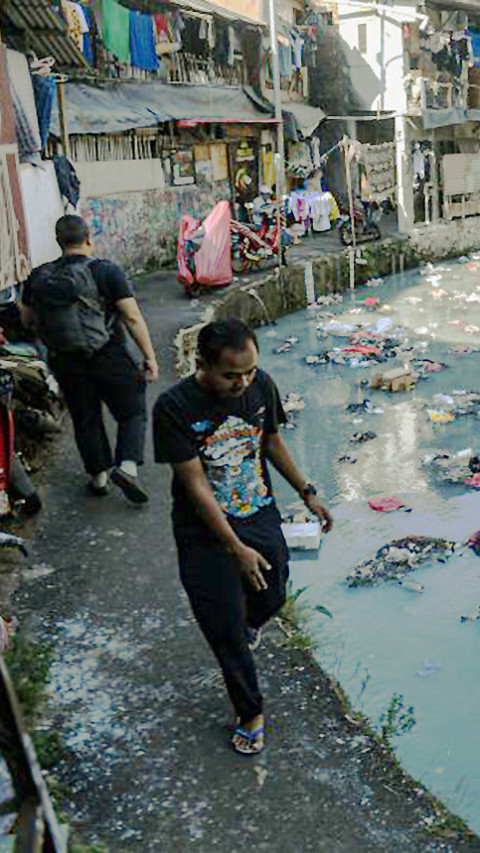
<point>28,664</point>
<point>396,720</point>
<point>296,614</point>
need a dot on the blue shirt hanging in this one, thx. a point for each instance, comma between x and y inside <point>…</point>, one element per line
<point>142,43</point>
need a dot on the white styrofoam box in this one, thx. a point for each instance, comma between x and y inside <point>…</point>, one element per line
<point>306,535</point>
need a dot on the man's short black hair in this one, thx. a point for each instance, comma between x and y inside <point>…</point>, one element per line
<point>71,230</point>
<point>221,334</point>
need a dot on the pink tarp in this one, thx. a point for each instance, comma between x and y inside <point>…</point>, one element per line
<point>213,260</point>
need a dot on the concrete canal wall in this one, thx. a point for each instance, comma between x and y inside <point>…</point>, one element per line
<point>283,291</point>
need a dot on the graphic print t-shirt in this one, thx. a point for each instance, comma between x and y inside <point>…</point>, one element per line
<point>227,435</point>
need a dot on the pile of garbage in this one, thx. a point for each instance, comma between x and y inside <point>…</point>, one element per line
<point>460,467</point>
<point>31,409</point>
<point>400,557</point>
<point>446,408</point>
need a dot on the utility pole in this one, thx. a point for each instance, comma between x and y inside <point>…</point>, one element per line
<point>280,156</point>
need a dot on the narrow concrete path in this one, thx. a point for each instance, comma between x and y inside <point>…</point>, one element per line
<point>137,696</point>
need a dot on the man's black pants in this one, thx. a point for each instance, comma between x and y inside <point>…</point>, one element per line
<point>225,603</point>
<point>109,376</point>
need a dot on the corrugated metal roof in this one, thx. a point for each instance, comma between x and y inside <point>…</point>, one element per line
<point>33,25</point>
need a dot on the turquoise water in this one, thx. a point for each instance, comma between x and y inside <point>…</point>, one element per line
<point>387,639</point>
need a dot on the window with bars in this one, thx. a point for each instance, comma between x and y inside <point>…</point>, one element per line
<point>362,38</point>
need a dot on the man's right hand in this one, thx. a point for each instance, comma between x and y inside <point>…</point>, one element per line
<point>151,369</point>
<point>253,565</point>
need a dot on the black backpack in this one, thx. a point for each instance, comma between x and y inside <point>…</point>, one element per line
<point>70,310</point>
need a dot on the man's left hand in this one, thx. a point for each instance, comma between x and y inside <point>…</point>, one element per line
<point>320,511</point>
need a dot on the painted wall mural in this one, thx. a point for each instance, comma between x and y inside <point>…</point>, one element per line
<point>139,229</point>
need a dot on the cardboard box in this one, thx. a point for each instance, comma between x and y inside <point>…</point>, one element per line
<point>305,537</point>
<point>397,379</point>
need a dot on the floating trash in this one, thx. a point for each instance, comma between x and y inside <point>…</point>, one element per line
<point>471,617</point>
<point>430,667</point>
<point>388,504</point>
<point>360,437</point>
<point>396,559</point>
<point>293,402</point>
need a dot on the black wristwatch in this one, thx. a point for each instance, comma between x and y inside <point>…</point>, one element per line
<point>308,490</point>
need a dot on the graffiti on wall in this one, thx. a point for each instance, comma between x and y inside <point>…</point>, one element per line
<point>139,229</point>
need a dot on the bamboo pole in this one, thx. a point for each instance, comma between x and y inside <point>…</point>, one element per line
<point>62,112</point>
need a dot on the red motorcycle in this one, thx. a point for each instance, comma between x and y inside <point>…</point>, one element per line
<point>250,249</point>
<point>253,247</point>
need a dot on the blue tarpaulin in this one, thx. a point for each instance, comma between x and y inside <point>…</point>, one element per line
<point>116,107</point>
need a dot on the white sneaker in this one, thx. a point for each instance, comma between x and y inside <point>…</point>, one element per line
<point>254,636</point>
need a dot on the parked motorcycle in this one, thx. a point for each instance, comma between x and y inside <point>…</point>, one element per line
<point>251,246</point>
<point>250,249</point>
<point>367,216</point>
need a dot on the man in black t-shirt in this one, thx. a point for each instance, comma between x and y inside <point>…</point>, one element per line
<point>108,374</point>
<point>217,429</point>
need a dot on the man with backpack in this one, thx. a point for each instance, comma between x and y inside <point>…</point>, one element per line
<point>84,310</point>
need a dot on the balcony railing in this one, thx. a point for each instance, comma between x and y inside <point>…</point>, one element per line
<point>426,93</point>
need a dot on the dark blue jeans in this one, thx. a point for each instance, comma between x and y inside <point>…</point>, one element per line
<point>109,376</point>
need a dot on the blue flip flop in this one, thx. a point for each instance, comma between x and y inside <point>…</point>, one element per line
<point>254,745</point>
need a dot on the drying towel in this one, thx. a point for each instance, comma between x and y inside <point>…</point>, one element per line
<point>116,29</point>
<point>142,42</point>
<point>76,21</point>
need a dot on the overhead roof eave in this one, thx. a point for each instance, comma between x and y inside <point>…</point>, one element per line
<point>201,6</point>
<point>119,106</point>
<point>28,25</point>
<point>471,7</point>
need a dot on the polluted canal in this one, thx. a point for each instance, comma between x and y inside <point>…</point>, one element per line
<point>383,392</point>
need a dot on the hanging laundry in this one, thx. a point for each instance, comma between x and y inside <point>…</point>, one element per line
<point>298,44</point>
<point>285,55</point>
<point>234,46</point>
<point>142,42</point>
<point>167,33</point>
<point>116,29</point>
<point>67,178</point>
<point>161,27</point>
<point>475,45</point>
<point>44,89</point>
<point>315,152</point>
<point>231,46</point>
<point>76,21</point>
<point>211,34</point>
<point>91,39</point>
<point>26,121</point>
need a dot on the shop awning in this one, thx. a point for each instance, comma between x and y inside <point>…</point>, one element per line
<point>300,119</point>
<point>119,106</point>
<point>306,117</point>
